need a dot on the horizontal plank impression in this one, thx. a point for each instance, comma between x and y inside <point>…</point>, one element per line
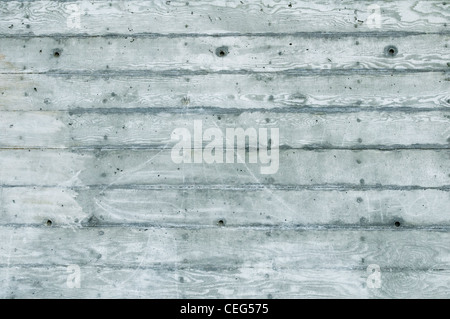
<point>33,92</point>
<point>215,248</point>
<point>241,282</point>
<point>218,17</point>
<point>230,54</point>
<point>84,128</point>
<point>131,168</point>
<point>205,262</point>
<point>206,207</point>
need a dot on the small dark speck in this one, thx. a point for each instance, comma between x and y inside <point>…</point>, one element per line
<point>101,233</point>
<point>358,120</point>
<point>361,181</point>
<point>359,140</point>
<point>359,200</point>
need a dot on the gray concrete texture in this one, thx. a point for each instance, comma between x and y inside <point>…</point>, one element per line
<point>93,205</point>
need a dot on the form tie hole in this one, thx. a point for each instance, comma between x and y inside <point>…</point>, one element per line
<point>222,52</point>
<point>221,223</point>
<point>390,51</point>
<point>56,54</point>
<point>397,224</point>
<point>49,223</point>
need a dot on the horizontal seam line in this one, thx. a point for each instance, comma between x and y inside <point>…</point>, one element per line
<point>310,147</point>
<point>208,267</point>
<point>247,187</point>
<point>180,72</point>
<point>314,227</point>
<point>306,34</point>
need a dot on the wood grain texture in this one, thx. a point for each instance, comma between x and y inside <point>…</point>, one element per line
<point>154,168</point>
<point>114,128</point>
<point>408,91</point>
<point>243,54</point>
<point>218,17</point>
<point>90,92</point>
<point>204,262</point>
<point>202,248</point>
<point>263,283</point>
<point>74,207</point>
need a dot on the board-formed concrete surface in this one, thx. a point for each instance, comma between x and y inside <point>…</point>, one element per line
<point>119,176</point>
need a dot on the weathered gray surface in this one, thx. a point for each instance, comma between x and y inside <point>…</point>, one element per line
<point>246,53</point>
<point>82,128</point>
<point>86,176</point>
<point>218,17</point>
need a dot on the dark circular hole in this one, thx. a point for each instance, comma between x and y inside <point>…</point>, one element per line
<point>397,224</point>
<point>49,223</point>
<point>221,223</point>
<point>56,54</point>
<point>390,50</point>
<point>222,52</point>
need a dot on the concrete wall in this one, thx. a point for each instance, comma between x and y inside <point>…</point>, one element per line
<point>92,203</point>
